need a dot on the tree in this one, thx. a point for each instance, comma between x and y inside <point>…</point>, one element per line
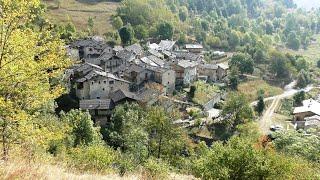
<point>243,62</point>
<point>82,130</point>
<point>269,28</point>
<point>165,30</point>
<point>260,56</point>
<point>318,64</point>
<point>183,13</point>
<point>260,105</point>
<point>31,63</point>
<point>192,92</point>
<point>279,64</point>
<point>141,32</point>
<point>299,97</point>
<point>117,22</point>
<point>126,34</point>
<point>236,110</point>
<point>293,41</point>
<point>239,158</point>
<point>234,39</point>
<point>234,78</point>
<point>303,79</point>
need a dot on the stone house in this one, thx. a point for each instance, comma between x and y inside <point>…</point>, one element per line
<point>166,77</point>
<point>194,48</point>
<point>222,71</point>
<point>90,49</point>
<point>99,85</point>
<point>167,45</point>
<point>208,70</point>
<point>309,108</point>
<point>186,72</point>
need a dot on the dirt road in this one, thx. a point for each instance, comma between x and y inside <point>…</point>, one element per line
<point>266,120</point>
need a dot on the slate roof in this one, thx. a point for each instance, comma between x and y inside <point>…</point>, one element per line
<point>186,63</point>
<point>155,53</point>
<point>120,95</point>
<point>157,60</point>
<point>126,55</point>
<point>95,73</point>
<point>309,105</point>
<point>86,66</point>
<point>135,48</point>
<point>154,46</point>
<point>209,66</point>
<point>100,104</point>
<point>118,48</point>
<point>89,43</point>
<point>167,45</point>
<point>223,66</point>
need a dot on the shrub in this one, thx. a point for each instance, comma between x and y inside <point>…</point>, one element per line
<point>155,169</point>
<point>92,158</point>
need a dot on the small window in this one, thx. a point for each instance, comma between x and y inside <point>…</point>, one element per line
<point>98,97</point>
<point>105,82</point>
<point>99,82</point>
<point>103,89</point>
<point>92,82</point>
<point>168,82</point>
<point>90,49</point>
<point>111,82</point>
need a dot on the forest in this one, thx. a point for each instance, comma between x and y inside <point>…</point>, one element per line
<point>142,140</point>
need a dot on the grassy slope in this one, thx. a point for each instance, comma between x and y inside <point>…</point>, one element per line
<point>311,53</point>
<point>251,88</point>
<point>79,12</point>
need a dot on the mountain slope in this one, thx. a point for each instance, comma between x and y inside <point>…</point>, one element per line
<point>79,12</point>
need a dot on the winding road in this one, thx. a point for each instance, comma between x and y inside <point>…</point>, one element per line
<point>266,120</point>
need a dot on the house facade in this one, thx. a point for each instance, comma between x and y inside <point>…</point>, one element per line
<point>186,72</point>
<point>99,85</point>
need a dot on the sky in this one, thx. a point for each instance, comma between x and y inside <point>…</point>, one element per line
<point>308,4</point>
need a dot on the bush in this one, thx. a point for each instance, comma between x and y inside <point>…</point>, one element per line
<point>155,169</point>
<point>92,158</point>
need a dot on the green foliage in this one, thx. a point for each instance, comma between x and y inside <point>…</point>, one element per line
<point>92,158</point>
<point>126,34</point>
<point>90,24</point>
<point>279,65</point>
<point>82,130</point>
<point>299,144</point>
<point>234,78</point>
<point>155,169</point>
<point>303,79</point>
<point>237,110</point>
<point>293,42</point>
<point>299,97</point>
<point>165,30</point>
<point>117,22</point>
<point>240,159</point>
<point>318,63</point>
<point>243,62</point>
<point>260,105</point>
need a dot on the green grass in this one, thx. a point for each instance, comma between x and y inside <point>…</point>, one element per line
<point>79,12</point>
<point>251,89</point>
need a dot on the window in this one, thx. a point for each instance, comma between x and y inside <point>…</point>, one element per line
<point>103,89</point>
<point>90,49</point>
<point>98,97</point>
<point>92,82</point>
<point>105,82</point>
<point>111,82</point>
<point>99,82</point>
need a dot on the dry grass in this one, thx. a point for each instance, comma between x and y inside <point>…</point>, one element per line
<point>79,12</point>
<point>251,89</point>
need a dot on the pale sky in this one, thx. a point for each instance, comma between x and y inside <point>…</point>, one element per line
<point>308,4</point>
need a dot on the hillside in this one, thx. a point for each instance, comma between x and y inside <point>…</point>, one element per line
<point>78,13</point>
